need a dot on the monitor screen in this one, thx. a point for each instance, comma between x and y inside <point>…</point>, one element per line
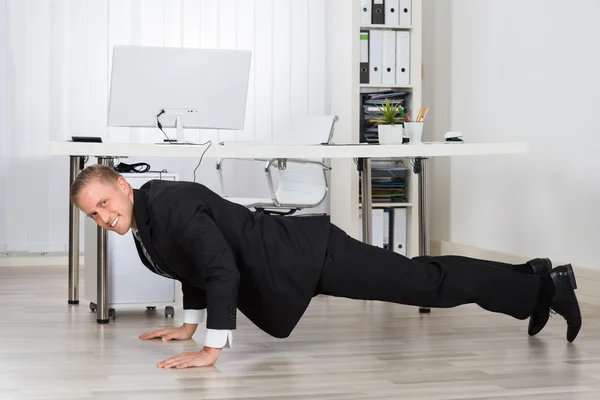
<point>207,88</point>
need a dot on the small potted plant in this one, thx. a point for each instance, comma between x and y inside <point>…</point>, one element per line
<point>391,127</point>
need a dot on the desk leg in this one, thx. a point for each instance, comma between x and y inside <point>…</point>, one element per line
<point>366,194</point>
<point>102,276</point>
<point>421,171</point>
<point>74,237</point>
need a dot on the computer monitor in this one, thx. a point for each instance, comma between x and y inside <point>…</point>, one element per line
<point>188,88</point>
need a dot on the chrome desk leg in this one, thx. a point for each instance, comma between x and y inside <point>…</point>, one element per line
<point>102,276</point>
<point>74,237</point>
<point>420,169</point>
<point>365,182</point>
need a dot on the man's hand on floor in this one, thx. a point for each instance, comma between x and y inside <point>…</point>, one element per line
<point>182,333</point>
<point>207,357</point>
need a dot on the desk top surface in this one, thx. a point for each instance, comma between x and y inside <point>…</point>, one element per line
<point>245,150</point>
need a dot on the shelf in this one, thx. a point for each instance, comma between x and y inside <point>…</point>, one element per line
<point>391,27</point>
<point>373,86</point>
<point>388,205</point>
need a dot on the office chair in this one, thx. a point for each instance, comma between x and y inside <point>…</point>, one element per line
<point>302,182</point>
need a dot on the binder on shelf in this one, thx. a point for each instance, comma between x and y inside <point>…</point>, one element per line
<point>387,224</point>
<point>378,12</point>
<point>388,229</point>
<point>375,56</point>
<point>398,229</point>
<point>402,58</point>
<point>392,8</point>
<point>405,14</point>
<point>388,72</point>
<point>377,227</point>
<point>364,57</point>
<point>366,7</point>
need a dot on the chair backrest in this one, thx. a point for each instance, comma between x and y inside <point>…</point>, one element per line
<point>302,185</point>
<point>310,130</point>
<point>305,185</point>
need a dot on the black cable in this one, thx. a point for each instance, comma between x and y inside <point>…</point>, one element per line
<point>209,142</point>
<point>160,125</point>
<point>137,167</point>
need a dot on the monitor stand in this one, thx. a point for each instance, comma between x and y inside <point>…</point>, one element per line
<point>179,131</point>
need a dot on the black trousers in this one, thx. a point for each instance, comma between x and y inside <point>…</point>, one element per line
<point>359,271</point>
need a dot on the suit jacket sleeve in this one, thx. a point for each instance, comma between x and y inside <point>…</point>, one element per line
<point>194,298</point>
<point>213,268</point>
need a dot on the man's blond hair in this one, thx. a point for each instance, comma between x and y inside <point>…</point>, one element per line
<point>91,174</point>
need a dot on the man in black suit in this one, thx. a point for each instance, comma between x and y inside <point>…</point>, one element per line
<point>270,267</point>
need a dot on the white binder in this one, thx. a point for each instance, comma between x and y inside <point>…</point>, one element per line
<point>377,227</point>
<point>366,9</point>
<point>392,12</point>
<point>402,58</point>
<point>399,231</point>
<point>405,14</point>
<point>388,72</point>
<point>375,56</point>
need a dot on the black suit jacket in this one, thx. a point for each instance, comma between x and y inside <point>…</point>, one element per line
<point>228,257</point>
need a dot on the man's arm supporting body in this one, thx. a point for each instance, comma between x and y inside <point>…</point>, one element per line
<point>212,268</point>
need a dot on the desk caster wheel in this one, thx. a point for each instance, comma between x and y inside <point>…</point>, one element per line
<point>151,308</point>
<point>424,310</point>
<point>112,313</point>
<point>169,311</point>
<point>93,307</point>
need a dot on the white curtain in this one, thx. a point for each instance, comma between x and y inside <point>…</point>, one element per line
<point>55,58</point>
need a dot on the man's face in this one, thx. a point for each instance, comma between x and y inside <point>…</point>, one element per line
<point>110,205</point>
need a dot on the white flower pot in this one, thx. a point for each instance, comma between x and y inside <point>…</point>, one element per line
<point>390,134</point>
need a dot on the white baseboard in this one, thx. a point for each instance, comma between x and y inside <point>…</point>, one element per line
<point>36,260</point>
<point>588,279</point>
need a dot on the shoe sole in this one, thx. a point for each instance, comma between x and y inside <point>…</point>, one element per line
<point>571,275</point>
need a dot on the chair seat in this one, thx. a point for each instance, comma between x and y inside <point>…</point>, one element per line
<point>251,201</point>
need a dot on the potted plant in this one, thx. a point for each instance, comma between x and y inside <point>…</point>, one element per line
<point>391,127</point>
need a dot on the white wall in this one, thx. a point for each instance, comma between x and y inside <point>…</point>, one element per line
<point>437,45</point>
<point>526,71</point>
<point>342,51</point>
<point>54,66</point>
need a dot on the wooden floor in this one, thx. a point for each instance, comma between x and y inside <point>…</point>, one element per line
<point>342,349</point>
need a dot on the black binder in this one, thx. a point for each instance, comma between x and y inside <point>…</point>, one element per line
<point>364,57</point>
<point>378,12</point>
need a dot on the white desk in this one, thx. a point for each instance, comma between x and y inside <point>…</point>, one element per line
<point>106,151</point>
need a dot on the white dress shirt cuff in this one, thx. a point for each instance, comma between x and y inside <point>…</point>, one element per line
<point>218,338</point>
<point>193,316</point>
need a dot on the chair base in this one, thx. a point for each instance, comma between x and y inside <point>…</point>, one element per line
<point>274,212</point>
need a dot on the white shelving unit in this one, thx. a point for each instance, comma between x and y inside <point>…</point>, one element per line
<point>369,86</point>
<point>414,87</point>
<point>392,27</point>
<point>343,37</point>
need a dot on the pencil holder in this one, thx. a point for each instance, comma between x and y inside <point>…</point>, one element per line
<point>414,131</point>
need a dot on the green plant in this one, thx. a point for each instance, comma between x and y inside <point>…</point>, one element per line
<point>392,113</point>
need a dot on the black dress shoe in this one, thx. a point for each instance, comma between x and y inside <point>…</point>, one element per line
<point>565,302</point>
<point>539,318</point>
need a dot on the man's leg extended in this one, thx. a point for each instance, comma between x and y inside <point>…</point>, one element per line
<point>359,271</point>
<point>536,266</point>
